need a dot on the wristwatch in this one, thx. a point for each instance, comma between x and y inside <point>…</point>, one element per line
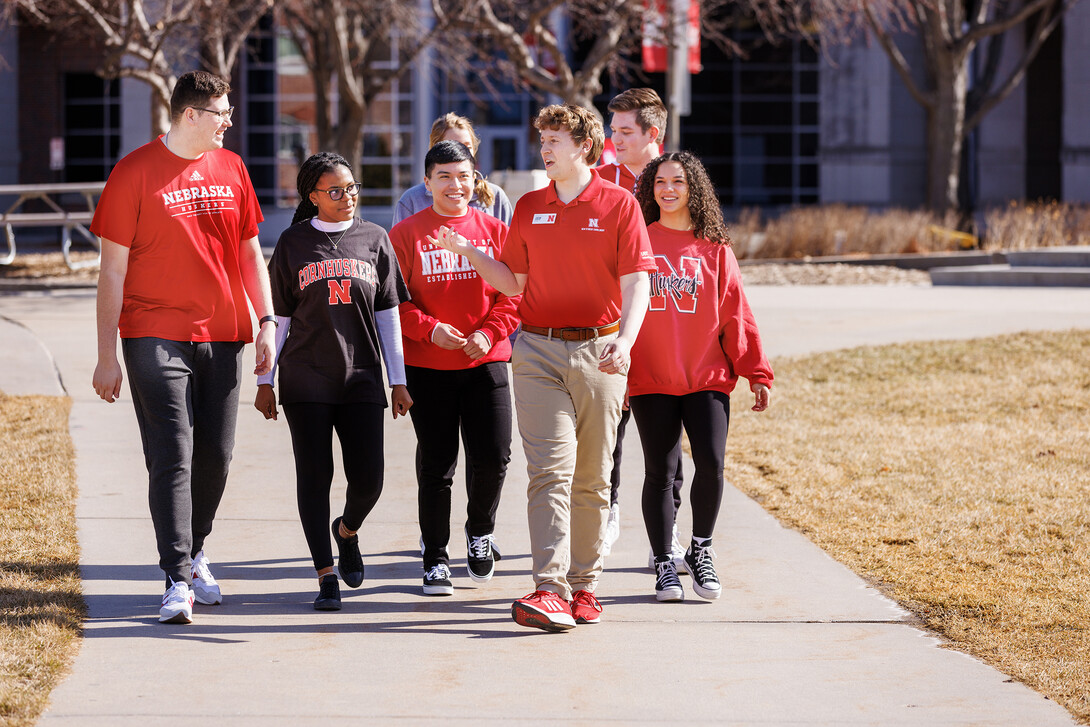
<point>266,319</point>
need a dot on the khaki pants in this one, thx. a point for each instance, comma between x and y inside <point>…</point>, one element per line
<point>568,413</point>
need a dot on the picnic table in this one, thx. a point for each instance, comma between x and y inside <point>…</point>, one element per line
<point>56,215</point>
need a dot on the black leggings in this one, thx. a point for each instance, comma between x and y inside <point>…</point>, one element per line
<point>706,418</point>
<point>615,475</point>
<point>359,427</point>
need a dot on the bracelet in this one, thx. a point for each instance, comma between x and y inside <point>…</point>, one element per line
<point>266,319</point>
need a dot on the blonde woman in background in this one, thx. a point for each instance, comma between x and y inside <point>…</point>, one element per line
<point>487,197</point>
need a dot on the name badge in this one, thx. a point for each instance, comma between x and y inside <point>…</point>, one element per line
<point>543,219</point>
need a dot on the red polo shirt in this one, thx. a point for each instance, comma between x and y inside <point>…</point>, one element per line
<point>575,254</point>
<point>619,174</point>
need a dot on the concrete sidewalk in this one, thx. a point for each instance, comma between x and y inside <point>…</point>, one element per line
<point>795,639</point>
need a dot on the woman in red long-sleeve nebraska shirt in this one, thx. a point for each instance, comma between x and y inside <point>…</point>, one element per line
<point>698,337</point>
<point>455,332</point>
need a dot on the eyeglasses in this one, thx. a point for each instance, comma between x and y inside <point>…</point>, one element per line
<point>335,193</point>
<point>224,115</point>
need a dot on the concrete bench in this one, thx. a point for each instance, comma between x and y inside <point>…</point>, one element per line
<point>57,216</point>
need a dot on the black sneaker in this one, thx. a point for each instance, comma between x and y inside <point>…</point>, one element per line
<point>705,581</point>
<point>329,594</point>
<point>350,562</point>
<point>667,585</point>
<point>481,560</point>
<point>437,581</point>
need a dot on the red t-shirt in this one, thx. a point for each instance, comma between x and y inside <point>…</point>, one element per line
<point>446,289</point>
<point>575,254</point>
<point>699,333</point>
<point>182,220</point>
<point>619,174</point>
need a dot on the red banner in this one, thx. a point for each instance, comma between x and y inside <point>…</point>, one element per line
<point>655,47</point>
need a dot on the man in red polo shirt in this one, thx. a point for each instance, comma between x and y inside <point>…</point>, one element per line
<point>578,253</point>
<point>637,128</point>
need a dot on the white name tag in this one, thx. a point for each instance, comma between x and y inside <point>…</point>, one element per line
<point>543,219</point>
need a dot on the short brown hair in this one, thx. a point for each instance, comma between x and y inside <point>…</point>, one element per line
<point>579,122</point>
<point>195,90</point>
<point>649,108</point>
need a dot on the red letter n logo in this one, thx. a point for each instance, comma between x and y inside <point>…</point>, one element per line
<point>680,286</point>
<point>340,291</point>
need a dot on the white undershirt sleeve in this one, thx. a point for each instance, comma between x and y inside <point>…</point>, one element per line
<point>389,338</point>
<point>283,323</point>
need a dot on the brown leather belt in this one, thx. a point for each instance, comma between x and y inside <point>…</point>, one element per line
<point>574,334</point>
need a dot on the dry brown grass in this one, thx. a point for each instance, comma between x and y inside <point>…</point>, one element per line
<point>41,606</point>
<point>842,230</point>
<point>38,265</point>
<point>1037,224</point>
<point>956,475</point>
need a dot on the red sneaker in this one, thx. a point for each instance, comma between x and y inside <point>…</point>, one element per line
<point>543,610</point>
<point>585,608</point>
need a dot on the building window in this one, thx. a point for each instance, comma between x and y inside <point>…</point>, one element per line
<point>92,126</point>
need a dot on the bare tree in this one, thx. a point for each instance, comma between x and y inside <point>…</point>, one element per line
<point>354,49</point>
<point>530,42</point>
<point>949,31</point>
<point>148,40</point>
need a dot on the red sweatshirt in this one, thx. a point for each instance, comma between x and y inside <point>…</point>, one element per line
<point>699,333</point>
<point>446,289</point>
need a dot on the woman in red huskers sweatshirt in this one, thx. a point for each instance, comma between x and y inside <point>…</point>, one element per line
<point>698,337</point>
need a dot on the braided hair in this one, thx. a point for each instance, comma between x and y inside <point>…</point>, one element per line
<point>449,121</point>
<point>704,209</point>
<point>307,181</point>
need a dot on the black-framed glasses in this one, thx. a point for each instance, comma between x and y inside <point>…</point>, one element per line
<point>224,115</point>
<point>335,193</point>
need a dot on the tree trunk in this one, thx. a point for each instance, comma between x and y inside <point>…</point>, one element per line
<point>160,112</point>
<point>946,131</point>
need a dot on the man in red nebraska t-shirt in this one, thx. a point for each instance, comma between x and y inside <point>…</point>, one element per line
<point>180,256</point>
<point>578,253</point>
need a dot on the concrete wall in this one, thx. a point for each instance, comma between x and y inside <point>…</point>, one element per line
<point>1002,134</point>
<point>873,133</point>
<point>9,100</point>
<point>135,115</point>
<point>855,126</point>
<point>1075,155</point>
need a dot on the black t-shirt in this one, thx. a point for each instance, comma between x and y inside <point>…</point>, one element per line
<point>332,353</point>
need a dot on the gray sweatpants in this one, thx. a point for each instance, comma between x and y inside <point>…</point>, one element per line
<point>186,400</point>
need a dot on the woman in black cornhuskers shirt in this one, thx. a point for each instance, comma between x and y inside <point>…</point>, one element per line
<point>336,286</point>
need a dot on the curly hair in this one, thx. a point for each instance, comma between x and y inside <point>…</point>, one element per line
<point>704,209</point>
<point>577,121</point>
<point>449,121</point>
<point>307,181</point>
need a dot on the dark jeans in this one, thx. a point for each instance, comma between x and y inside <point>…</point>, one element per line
<point>359,427</point>
<point>615,475</point>
<point>706,418</point>
<point>476,403</point>
<point>186,400</point>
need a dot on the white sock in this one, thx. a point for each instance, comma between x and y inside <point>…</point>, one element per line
<point>702,542</point>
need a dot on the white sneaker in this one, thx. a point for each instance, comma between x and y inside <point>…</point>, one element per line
<point>677,553</point>
<point>177,605</point>
<point>613,528</point>
<point>205,588</point>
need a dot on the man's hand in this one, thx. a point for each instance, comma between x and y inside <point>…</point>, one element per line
<point>447,336</point>
<point>107,379</point>
<point>477,345</point>
<point>265,401</point>
<point>448,239</point>
<point>615,357</point>
<point>400,401</point>
<point>761,396</point>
